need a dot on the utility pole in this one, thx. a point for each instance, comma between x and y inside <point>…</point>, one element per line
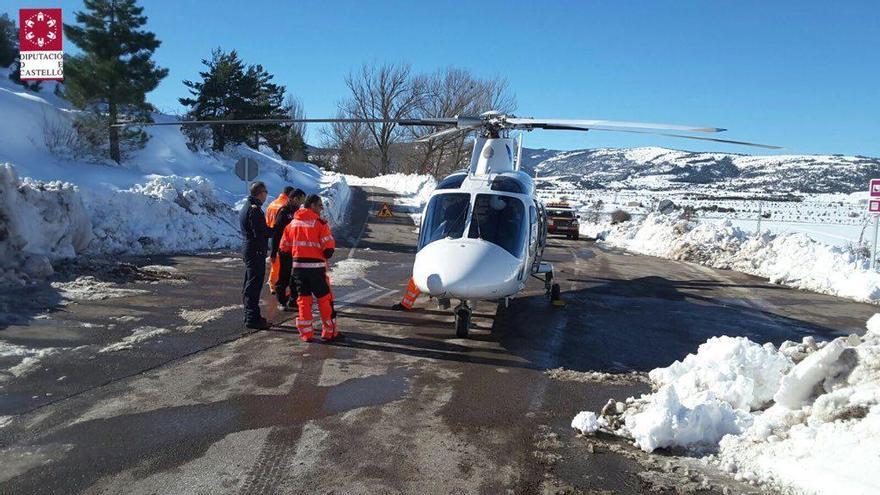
<point>760,214</point>
<point>874,250</point>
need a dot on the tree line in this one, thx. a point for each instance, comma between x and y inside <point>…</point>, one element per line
<point>115,70</point>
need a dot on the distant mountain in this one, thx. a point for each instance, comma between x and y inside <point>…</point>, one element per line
<point>664,169</point>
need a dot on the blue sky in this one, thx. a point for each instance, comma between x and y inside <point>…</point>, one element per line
<point>801,74</point>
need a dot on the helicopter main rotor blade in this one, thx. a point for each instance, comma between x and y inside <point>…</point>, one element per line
<point>609,124</point>
<point>700,138</point>
<point>413,122</point>
<point>682,136</point>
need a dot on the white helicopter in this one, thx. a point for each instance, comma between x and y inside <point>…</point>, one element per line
<point>484,230</point>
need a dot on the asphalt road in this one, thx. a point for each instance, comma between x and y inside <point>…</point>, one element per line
<point>399,406</point>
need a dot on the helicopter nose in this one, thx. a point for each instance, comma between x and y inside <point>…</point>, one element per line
<point>466,268</point>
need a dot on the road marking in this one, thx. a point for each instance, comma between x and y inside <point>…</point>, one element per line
<point>374,284</point>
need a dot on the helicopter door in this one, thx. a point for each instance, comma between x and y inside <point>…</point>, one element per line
<point>533,232</point>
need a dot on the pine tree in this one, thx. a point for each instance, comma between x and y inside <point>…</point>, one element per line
<point>116,70</point>
<point>229,89</point>
<point>8,41</point>
<point>217,96</point>
<point>9,56</point>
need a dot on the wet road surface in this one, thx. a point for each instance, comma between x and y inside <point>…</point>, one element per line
<point>400,406</point>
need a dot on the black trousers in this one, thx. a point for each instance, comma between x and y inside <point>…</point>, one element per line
<point>285,279</point>
<point>311,281</point>
<point>254,277</point>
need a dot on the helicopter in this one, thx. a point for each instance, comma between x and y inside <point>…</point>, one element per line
<point>484,230</point>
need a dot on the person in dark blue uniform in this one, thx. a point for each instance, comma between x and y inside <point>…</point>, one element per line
<point>255,235</point>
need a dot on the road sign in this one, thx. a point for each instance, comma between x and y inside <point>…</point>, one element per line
<point>874,190</point>
<point>41,54</point>
<point>247,169</point>
<point>874,205</point>
<point>385,211</point>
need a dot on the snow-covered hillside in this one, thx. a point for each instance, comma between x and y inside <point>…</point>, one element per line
<point>661,168</point>
<point>163,198</point>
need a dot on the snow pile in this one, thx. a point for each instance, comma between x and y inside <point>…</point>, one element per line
<point>168,213</point>
<point>804,417</point>
<point>346,271</point>
<point>734,369</point>
<point>39,223</point>
<point>791,259</point>
<point>586,422</point>
<point>414,189</point>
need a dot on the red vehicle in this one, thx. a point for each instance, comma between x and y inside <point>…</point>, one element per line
<point>562,219</point>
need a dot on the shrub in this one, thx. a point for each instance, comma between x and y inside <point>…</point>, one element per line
<point>620,216</point>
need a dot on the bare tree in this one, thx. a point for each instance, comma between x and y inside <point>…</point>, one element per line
<point>353,150</point>
<point>450,92</point>
<point>385,91</point>
<point>296,110</point>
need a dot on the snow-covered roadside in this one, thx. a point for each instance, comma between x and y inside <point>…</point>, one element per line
<point>163,198</point>
<point>790,259</point>
<point>804,417</point>
<point>413,189</point>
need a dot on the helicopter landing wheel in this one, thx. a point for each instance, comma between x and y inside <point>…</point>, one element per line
<point>462,320</point>
<point>555,297</point>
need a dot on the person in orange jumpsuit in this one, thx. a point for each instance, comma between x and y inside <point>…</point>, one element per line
<point>278,214</point>
<point>310,244</point>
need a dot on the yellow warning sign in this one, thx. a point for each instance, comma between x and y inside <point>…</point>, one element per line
<point>385,211</point>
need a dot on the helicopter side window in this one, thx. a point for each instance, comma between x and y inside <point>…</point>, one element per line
<point>445,218</point>
<point>499,220</point>
<point>452,182</point>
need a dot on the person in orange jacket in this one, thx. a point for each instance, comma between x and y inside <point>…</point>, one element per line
<point>310,244</point>
<point>278,214</point>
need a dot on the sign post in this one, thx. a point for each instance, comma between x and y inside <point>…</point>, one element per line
<point>247,169</point>
<point>41,49</point>
<point>874,209</point>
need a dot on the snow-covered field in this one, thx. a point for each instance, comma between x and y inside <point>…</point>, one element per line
<point>804,417</point>
<point>164,198</point>
<point>823,196</point>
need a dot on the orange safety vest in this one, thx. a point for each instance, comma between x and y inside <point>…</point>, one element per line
<point>273,209</point>
<point>306,238</point>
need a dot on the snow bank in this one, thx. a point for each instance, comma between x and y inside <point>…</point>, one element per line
<point>163,198</point>
<point>804,417</point>
<point>414,189</point>
<point>791,259</point>
<point>39,223</point>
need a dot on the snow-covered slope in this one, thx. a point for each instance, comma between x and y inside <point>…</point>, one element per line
<point>661,168</point>
<point>163,198</point>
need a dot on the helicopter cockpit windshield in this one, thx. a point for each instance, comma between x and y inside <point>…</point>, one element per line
<point>500,220</point>
<point>445,218</point>
<point>495,218</point>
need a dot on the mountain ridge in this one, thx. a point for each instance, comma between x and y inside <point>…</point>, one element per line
<point>663,168</point>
